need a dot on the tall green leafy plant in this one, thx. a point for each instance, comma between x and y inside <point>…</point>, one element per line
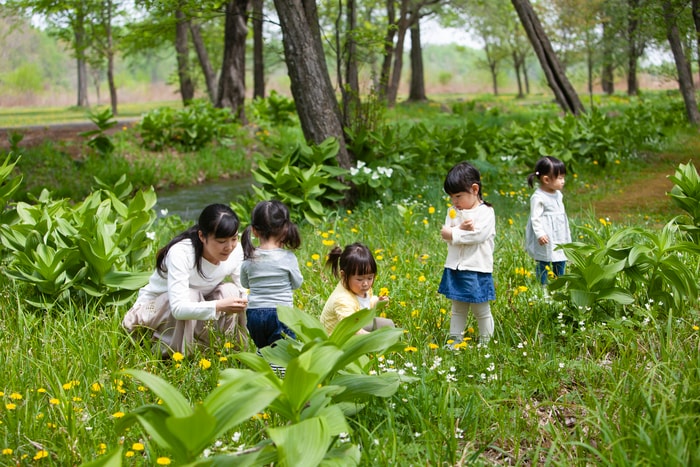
<point>306,179</point>
<point>327,378</point>
<point>95,247</point>
<point>686,194</point>
<point>98,140</point>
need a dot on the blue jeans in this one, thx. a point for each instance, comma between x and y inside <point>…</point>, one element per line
<point>557,267</point>
<point>265,327</point>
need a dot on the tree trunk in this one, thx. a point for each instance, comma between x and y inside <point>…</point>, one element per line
<point>607,75</point>
<point>417,86</point>
<point>402,26</point>
<point>204,62</point>
<point>79,33</point>
<point>696,21</point>
<point>633,51</point>
<point>232,78</point>
<point>516,66</point>
<point>525,76</point>
<point>685,79</point>
<point>351,91</point>
<point>388,48</point>
<point>564,93</point>
<point>258,57</point>
<point>110,60</point>
<point>183,60</point>
<point>311,86</point>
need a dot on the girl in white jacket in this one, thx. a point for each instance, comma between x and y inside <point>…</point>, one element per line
<point>469,230</point>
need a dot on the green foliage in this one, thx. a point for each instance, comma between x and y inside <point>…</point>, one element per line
<point>686,194</point>
<point>97,139</point>
<point>8,183</point>
<point>631,265</point>
<point>305,178</point>
<point>325,381</point>
<point>190,128</point>
<point>275,109</point>
<point>92,248</point>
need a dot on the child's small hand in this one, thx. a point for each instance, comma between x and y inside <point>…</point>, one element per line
<point>446,233</point>
<point>543,240</point>
<point>384,298</point>
<point>467,224</point>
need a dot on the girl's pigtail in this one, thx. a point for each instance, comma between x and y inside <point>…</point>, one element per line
<point>247,243</point>
<point>334,260</point>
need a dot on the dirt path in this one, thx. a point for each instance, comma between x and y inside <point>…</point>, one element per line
<point>646,194</point>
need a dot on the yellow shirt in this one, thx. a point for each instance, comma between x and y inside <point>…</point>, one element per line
<point>341,304</point>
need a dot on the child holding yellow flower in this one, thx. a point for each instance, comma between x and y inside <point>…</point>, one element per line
<point>356,268</point>
<point>469,230</point>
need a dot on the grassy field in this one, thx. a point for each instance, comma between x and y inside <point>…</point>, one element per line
<point>17,117</point>
<point>555,386</point>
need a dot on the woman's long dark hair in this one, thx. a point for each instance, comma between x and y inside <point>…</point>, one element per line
<point>217,219</point>
<point>353,260</point>
<point>270,219</point>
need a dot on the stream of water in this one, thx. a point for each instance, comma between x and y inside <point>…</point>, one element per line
<point>188,202</point>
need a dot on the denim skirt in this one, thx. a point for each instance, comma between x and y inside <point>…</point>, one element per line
<point>467,286</point>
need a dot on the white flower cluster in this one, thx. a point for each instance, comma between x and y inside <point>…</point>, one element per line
<point>361,167</point>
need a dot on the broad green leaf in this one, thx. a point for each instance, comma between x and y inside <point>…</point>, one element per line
<point>303,444</point>
<point>173,401</point>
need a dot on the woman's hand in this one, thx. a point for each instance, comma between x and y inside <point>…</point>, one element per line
<point>231,305</point>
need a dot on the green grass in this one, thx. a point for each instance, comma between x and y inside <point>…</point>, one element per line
<point>17,117</point>
<point>617,392</point>
<point>546,390</point>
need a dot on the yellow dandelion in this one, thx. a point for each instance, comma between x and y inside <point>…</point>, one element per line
<point>324,235</point>
<point>228,345</point>
<point>425,221</point>
<point>163,461</point>
<point>41,454</point>
<point>118,414</point>
<point>7,452</point>
<point>415,313</point>
<point>452,213</point>
<point>392,277</point>
<point>410,348</point>
<point>16,396</point>
<point>470,330</point>
<point>433,346</point>
<point>129,454</point>
<point>603,221</point>
<point>77,399</point>
<point>223,359</point>
<point>204,364</point>
<point>315,257</point>
<point>383,292</point>
<point>137,447</point>
<point>354,230</point>
<point>380,257</point>
<point>328,242</point>
<point>41,390</point>
<point>695,327</point>
<point>178,357</point>
<point>421,278</point>
<point>309,264</point>
<point>10,406</point>
<point>95,387</point>
<point>510,222</point>
<point>443,311</point>
<point>431,210</point>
